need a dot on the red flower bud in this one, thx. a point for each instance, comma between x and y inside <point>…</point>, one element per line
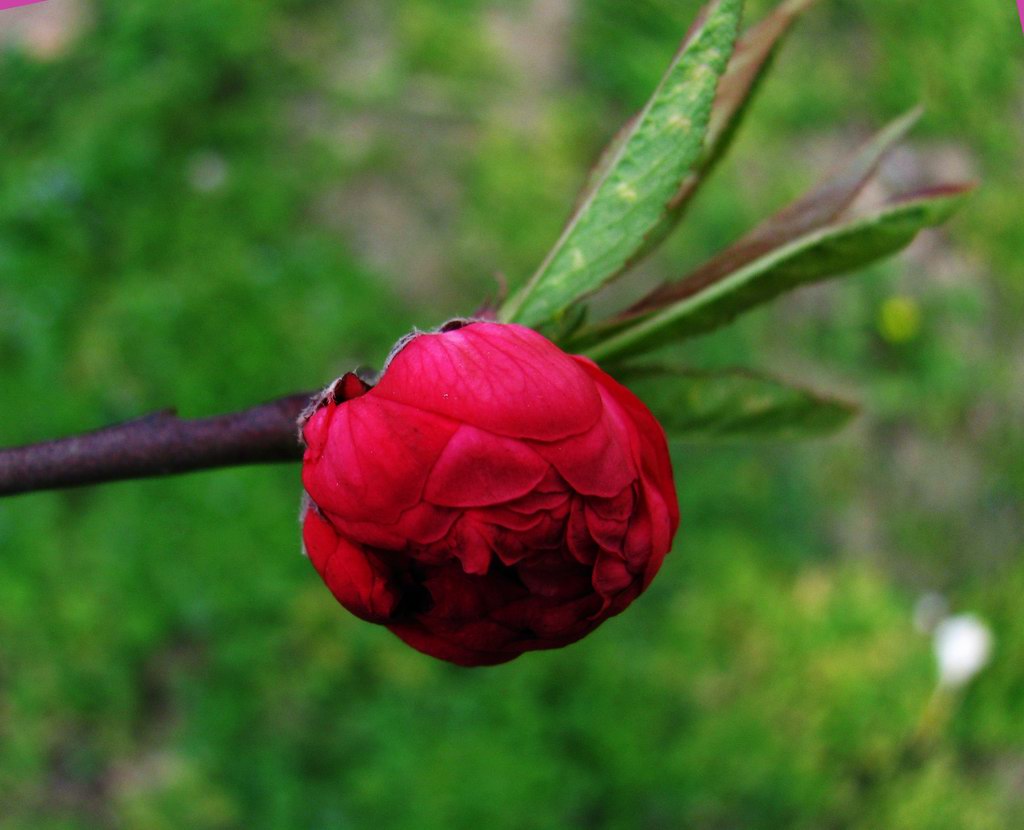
<point>489,496</point>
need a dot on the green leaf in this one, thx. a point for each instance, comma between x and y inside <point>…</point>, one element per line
<point>742,78</point>
<point>816,209</point>
<point>733,404</point>
<point>821,254</point>
<point>638,176</point>
<point>819,207</point>
<point>747,68</point>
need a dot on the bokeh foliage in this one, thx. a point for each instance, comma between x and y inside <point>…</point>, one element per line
<point>211,203</point>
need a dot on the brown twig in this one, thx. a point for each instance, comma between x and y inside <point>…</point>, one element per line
<point>157,445</point>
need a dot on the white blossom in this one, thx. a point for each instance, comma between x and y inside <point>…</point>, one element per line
<point>963,646</point>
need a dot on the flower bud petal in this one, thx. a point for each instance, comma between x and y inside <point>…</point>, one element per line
<point>491,495</point>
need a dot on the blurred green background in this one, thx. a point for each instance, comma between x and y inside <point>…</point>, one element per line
<point>209,203</point>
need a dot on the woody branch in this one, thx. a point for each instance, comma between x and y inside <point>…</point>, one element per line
<point>157,445</point>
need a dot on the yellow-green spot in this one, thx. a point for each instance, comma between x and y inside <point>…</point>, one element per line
<point>680,123</point>
<point>626,192</point>
<point>702,73</point>
<point>899,319</point>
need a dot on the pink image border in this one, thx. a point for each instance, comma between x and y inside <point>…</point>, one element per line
<point>10,4</point>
